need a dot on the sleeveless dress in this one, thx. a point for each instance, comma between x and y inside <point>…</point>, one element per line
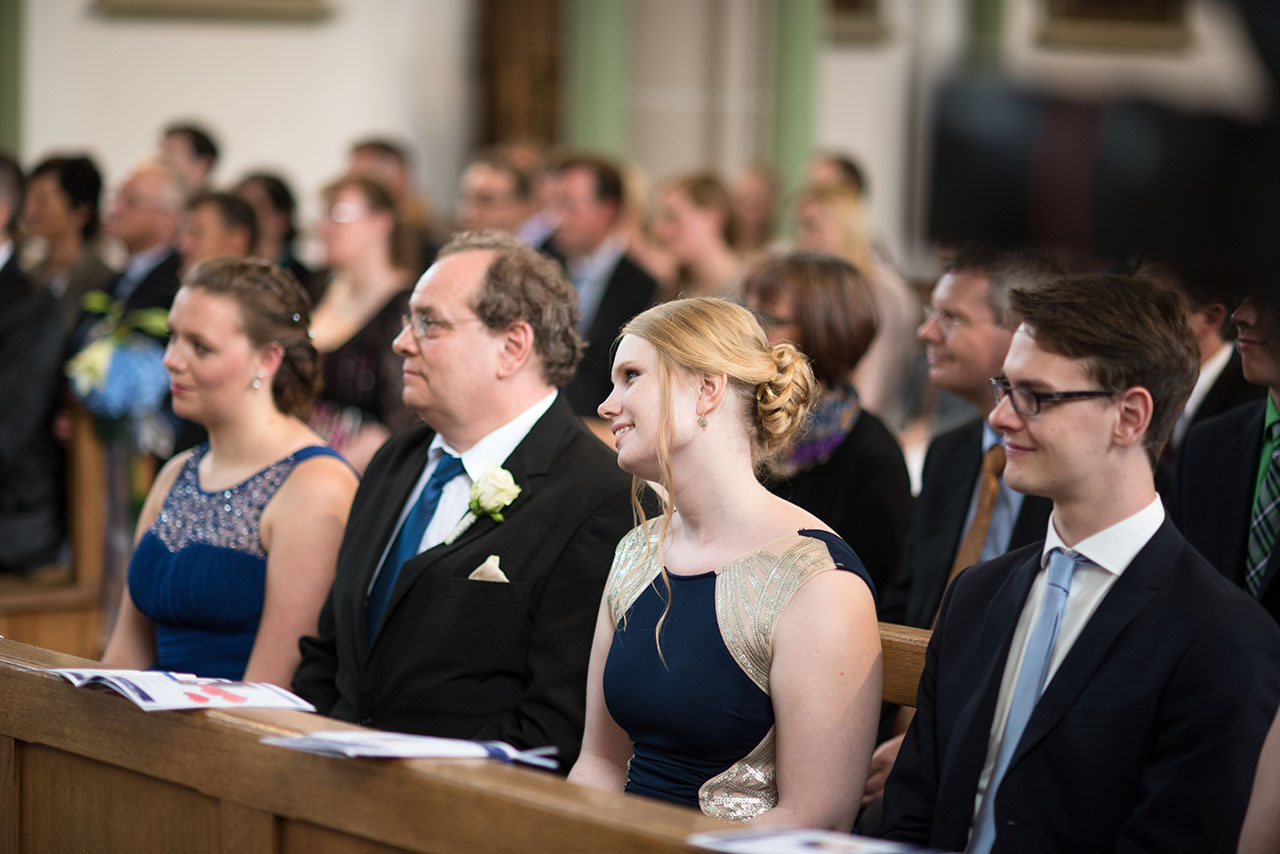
<point>199,572</point>
<point>698,711</point>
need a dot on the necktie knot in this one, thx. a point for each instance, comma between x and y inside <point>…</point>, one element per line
<point>446,470</point>
<point>1061,567</point>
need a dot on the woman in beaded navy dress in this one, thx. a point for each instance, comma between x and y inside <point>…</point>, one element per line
<point>238,539</point>
<point>736,660</point>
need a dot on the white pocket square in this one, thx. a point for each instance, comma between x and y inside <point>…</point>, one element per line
<point>489,571</point>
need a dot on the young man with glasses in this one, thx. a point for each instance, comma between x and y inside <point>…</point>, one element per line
<point>1103,689</point>
<point>478,543</point>
<point>965,512</point>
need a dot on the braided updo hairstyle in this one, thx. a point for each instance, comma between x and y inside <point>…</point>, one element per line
<point>273,309</point>
<point>715,336</point>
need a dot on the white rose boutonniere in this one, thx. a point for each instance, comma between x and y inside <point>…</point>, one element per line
<point>490,495</point>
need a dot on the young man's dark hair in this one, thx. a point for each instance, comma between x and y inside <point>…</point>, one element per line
<point>201,142</point>
<point>81,182</point>
<point>234,212</point>
<point>608,178</point>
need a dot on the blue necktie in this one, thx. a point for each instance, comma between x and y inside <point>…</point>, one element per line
<point>1027,689</point>
<point>405,545</point>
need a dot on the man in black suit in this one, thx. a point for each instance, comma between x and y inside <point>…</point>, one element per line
<point>484,630</point>
<point>966,333</point>
<point>1217,489</point>
<point>1220,385</point>
<point>144,215</point>
<point>1104,689</point>
<point>589,205</point>
<point>31,496</point>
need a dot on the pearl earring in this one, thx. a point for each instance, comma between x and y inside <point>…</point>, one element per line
<point>257,380</point>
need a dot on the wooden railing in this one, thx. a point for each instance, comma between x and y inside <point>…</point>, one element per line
<point>84,771</point>
<point>58,608</point>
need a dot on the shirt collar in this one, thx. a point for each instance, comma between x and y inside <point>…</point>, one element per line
<point>600,262</point>
<point>6,252</point>
<point>497,445</point>
<point>1111,548</point>
<point>989,436</point>
<point>142,263</point>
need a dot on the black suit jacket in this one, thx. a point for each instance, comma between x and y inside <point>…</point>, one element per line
<point>951,469</point>
<point>1145,739</point>
<point>628,292</point>
<point>1212,495</point>
<point>31,464</point>
<point>476,659</point>
<point>156,290</point>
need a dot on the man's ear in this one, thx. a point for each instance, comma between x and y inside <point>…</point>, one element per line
<point>517,347</point>
<point>1136,407</point>
<point>1215,314</point>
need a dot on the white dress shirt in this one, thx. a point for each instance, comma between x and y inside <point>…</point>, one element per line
<point>455,497</point>
<point>1111,550</point>
<point>1209,373</point>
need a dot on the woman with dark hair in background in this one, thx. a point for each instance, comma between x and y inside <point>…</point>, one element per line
<point>238,539</point>
<point>357,315</point>
<point>847,468</point>
<point>62,209</point>
<point>736,661</point>
<point>275,207</point>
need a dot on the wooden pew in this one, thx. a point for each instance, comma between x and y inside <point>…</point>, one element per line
<point>58,608</point>
<point>84,771</point>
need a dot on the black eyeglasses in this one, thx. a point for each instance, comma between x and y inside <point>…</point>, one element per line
<point>1025,401</point>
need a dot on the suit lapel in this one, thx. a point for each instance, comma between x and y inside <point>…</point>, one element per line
<point>1124,601</point>
<point>1239,460</point>
<point>400,486</point>
<point>967,748</point>
<point>527,464</point>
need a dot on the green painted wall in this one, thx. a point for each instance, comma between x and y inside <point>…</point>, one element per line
<point>10,75</point>
<point>596,75</point>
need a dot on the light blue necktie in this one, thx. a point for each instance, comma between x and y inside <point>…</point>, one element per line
<point>1027,690</point>
<point>407,541</point>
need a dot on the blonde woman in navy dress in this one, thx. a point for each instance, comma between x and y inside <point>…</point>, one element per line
<point>736,662</point>
<point>238,538</point>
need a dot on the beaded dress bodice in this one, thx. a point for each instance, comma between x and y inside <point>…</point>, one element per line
<point>199,572</point>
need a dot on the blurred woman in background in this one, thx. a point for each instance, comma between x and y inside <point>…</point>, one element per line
<point>695,223</point>
<point>846,468</point>
<point>364,294</point>
<point>62,209</point>
<point>833,220</point>
<point>238,539</point>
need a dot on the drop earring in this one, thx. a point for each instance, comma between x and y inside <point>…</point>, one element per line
<point>257,380</point>
<point>702,421</point>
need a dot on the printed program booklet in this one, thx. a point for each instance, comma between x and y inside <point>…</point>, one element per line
<point>786,841</point>
<point>160,690</point>
<point>399,745</point>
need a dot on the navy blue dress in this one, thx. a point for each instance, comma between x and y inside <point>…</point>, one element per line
<point>692,713</point>
<point>199,573</point>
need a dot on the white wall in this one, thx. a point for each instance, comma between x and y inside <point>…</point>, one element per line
<point>287,96</point>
